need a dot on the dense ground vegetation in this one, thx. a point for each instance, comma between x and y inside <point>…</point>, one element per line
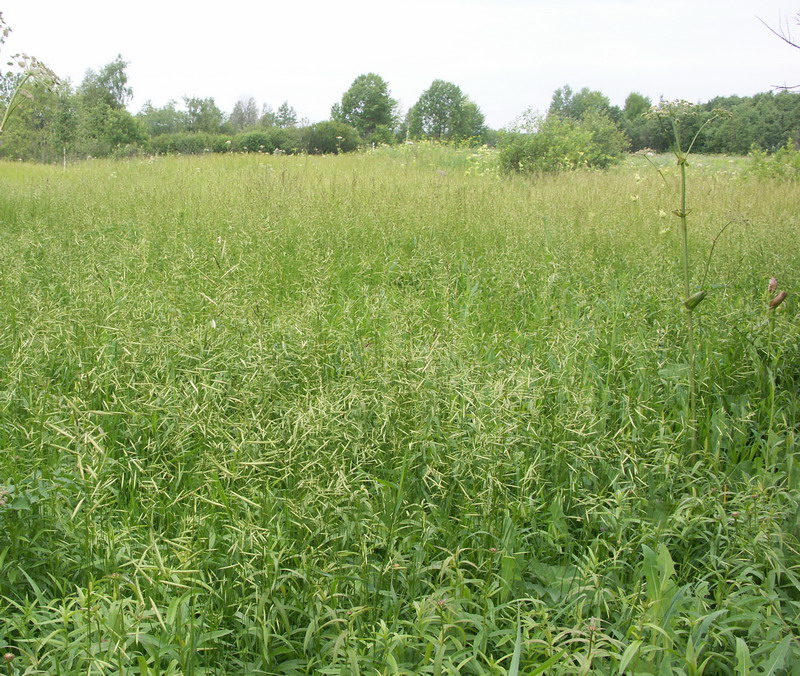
<point>394,413</point>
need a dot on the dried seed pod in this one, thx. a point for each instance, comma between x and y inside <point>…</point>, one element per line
<point>775,302</point>
<point>694,300</point>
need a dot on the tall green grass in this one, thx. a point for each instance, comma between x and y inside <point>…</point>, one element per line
<point>379,414</point>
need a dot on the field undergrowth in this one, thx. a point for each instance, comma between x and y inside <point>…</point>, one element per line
<point>378,414</point>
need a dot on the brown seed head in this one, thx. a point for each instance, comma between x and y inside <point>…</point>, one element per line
<point>775,302</point>
<point>773,285</point>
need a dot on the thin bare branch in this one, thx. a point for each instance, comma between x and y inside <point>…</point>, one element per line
<point>783,36</point>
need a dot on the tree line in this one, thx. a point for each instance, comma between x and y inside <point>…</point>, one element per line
<point>56,122</point>
<point>61,121</point>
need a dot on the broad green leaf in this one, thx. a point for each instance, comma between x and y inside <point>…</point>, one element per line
<point>544,666</point>
<point>513,670</point>
<point>630,652</point>
<point>775,661</point>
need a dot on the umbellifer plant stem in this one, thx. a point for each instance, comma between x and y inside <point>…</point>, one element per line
<point>674,113</point>
<point>691,408</point>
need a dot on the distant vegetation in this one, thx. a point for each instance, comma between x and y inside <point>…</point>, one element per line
<point>62,122</point>
<point>581,128</point>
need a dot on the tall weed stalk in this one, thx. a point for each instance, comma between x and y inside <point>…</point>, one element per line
<point>674,117</point>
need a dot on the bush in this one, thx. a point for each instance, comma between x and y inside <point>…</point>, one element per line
<point>273,140</point>
<point>383,135</point>
<point>189,143</point>
<point>331,137</point>
<point>542,145</point>
<point>124,152</point>
<point>782,164</point>
<point>608,141</point>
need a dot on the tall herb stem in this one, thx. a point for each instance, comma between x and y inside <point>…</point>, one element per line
<point>691,403</point>
<point>675,113</point>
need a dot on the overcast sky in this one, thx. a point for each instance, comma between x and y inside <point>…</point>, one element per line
<point>506,55</point>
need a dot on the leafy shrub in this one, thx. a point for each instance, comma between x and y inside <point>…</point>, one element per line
<point>124,152</point>
<point>383,135</point>
<point>331,137</point>
<point>189,143</point>
<point>253,142</point>
<point>554,144</point>
<point>273,140</point>
<point>782,164</point>
<point>608,142</point>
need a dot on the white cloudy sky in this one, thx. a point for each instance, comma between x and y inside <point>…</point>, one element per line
<point>507,55</point>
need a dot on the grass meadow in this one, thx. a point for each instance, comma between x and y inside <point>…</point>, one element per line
<point>393,413</point>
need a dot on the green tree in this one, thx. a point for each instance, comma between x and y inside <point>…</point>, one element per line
<point>443,112</point>
<point>28,134</point>
<point>104,124</point>
<point>203,115</point>
<point>636,105</point>
<point>165,120</point>
<point>473,123</point>
<point>107,87</point>
<point>574,105</point>
<point>65,120</point>
<point>244,114</point>
<point>561,102</point>
<point>643,131</point>
<point>268,117</point>
<point>367,106</point>
<point>286,116</point>
<point>767,120</point>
